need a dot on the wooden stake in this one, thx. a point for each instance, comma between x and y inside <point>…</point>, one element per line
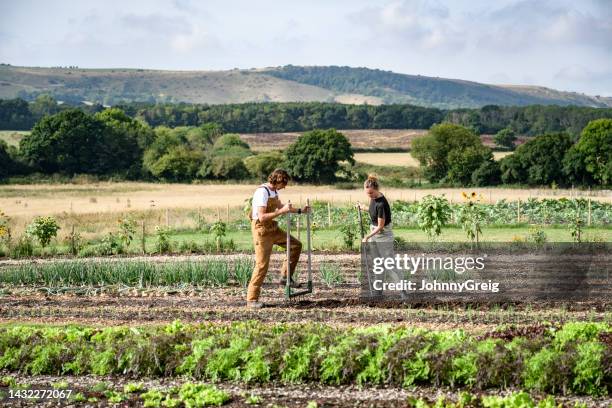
<point>167,217</point>
<point>518,212</point>
<point>142,241</point>
<point>328,214</point>
<point>589,215</point>
<point>227,213</point>
<point>72,237</point>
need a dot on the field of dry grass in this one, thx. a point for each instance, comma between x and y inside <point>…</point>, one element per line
<point>12,137</point>
<point>100,205</point>
<point>360,139</point>
<point>400,158</point>
<point>126,196</point>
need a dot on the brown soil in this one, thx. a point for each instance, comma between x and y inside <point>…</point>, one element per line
<point>279,395</point>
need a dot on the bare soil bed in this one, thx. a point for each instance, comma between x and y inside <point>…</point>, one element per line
<point>271,395</point>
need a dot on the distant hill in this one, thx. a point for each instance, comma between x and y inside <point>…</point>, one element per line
<point>281,84</point>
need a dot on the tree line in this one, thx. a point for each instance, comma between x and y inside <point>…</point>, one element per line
<point>453,154</point>
<point>111,143</point>
<point>17,114</point>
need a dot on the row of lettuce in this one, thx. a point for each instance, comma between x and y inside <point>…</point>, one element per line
<point>572,359</point>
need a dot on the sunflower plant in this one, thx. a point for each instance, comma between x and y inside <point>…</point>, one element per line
<point>433,213</point>
<point>5,231</point>
<point>471,216</point>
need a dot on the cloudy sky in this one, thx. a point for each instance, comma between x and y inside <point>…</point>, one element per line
<point>564,44</point>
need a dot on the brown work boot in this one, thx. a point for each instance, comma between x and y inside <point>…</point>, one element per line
<point>292,284</point>
<point>255,304</point>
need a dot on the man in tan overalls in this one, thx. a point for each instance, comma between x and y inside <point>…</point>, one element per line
<point>266,207</point>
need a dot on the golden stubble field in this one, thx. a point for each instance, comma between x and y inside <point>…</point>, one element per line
<point>108,197</point>
<point>401,158</point>
<point>359,139</point>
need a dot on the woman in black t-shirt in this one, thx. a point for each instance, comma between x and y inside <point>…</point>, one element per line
<point>381,237</point>
<point>380,213</point>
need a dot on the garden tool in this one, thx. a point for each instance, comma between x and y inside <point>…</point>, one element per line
<point>288,293</point>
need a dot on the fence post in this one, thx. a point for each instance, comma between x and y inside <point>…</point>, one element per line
<point>518,212</point>
<point>227,214</point>
<point>72,244</point>
<point>142,240</point>
<point>589,216</point>
<point>167,217</point>
<point>328,214</point>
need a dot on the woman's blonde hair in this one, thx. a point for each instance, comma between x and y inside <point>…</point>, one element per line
<point>371,182</point>
<point>278,176</point>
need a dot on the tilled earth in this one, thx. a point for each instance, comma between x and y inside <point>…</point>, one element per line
<point>338,305</point>
<point>271,395</point>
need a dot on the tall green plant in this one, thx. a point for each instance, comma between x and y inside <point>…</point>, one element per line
<point>576,221</point>
<point>44,229</point>
<point>349,232</point>
<point>127,230</point>
<point>162,245</point>
<point>471,216</point>
<point>433,213</point>
<point>219,230</point>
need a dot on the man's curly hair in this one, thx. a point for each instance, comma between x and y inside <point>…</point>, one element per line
<point>278,176</point>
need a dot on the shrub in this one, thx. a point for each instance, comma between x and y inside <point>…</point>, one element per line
<point>44,229</point>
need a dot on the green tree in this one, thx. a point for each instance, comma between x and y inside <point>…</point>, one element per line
<point>315,155</point>
<point>262,164</point>
<point>591,157</point>
<point>228,168</point>
<point>44,105</point>
<point>538,161</point>
<point>488,174</point>
<point>73,142</point>
<point>505,139</point>
<point>450,153</point>
<point>171,157</point>
<point>230,144</point>
<point>122,128</point>
<point>178,163</point>
<point>7,165</point>
<point>118,120</point>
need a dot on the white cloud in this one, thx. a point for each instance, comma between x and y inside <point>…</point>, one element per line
<point>412,23</point>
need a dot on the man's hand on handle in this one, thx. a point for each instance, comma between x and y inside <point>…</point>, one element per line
<point>285,208</point>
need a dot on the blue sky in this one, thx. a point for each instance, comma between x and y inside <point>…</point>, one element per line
<point>565,45</point>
